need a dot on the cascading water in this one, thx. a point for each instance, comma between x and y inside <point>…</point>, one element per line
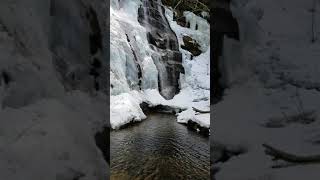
<point>164,42</point>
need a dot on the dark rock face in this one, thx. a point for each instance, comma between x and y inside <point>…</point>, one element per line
<point>201,130</point>
<point>95,34</point>
<point>76,41</point>
<point>181,20</point>
<point>49,47</point>
<point>191,45</point>
<point>160,109</point>
<point>102,140</point>
<point>163,40</point>
<point>137,64</point>
<point>225,24</point>
<point>195,6</point>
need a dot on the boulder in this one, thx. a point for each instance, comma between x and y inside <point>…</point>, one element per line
<point>191,45</point>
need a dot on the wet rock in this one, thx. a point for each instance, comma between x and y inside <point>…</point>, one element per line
<point>160,108</point>
<point>195,126</point>
<point>95,35</point>
<point>163,40</point>
<point>191,45</point>
<point>225,25</point>
<point>188,5</point>
<point>157,39</point>
<point>182,21</point>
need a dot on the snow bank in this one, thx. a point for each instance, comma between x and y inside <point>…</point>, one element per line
<point>125,108</point>
<point>279,64</point>
<point>185,101</point>
<point>25,133</point>
<point>190,115</point>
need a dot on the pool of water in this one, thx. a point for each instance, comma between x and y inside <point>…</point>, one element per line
<point>159,148</point>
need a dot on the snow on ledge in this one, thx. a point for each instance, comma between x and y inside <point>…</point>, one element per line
<point>190,115</point>
<point>125,108</point>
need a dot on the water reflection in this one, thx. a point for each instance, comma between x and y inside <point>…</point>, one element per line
<point>159,148</point>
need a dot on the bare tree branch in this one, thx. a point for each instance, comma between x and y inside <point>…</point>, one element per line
<point>292,158</point>
<point>177,5</point>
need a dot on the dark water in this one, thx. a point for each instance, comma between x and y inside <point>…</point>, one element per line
<point>159,148</point>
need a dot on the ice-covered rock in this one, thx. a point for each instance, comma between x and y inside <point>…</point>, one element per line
<point>155,41</point>
<point>53,89</point>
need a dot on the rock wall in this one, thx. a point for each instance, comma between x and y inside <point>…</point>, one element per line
<point>76,40</point>
<point>164,41</point>
<point>225,25</point>
<point>53,65</point>
<point>59,44</point>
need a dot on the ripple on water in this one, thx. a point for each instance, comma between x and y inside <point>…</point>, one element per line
<point>159,148</point>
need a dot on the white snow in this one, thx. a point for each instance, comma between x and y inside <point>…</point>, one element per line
<point>196,81</point>
<point>125,98</point>
<point>274,60</point>
<point>202,35</point>
<point>189,114</point>
<point>196,22</point>
<point>25,133</point>
<point>125,108</point>
<point>45,132</point>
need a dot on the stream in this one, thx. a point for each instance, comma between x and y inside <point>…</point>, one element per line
<point>159,148</point>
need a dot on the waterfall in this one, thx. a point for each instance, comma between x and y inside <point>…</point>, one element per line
<point>164,42</point>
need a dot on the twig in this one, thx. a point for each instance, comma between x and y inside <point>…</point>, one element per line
<point>177,5</point>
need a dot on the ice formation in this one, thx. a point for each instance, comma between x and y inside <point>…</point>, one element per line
<point>132,47</point>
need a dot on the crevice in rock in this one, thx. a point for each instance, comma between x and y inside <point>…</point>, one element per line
<point>102,140</point>
<point>225,25</point>
<point>5,77</point>
<point>52,9</point>
<point>95,35</point>
<point>137,63</point>
<point>191,45</point>
<point>96,66</point>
